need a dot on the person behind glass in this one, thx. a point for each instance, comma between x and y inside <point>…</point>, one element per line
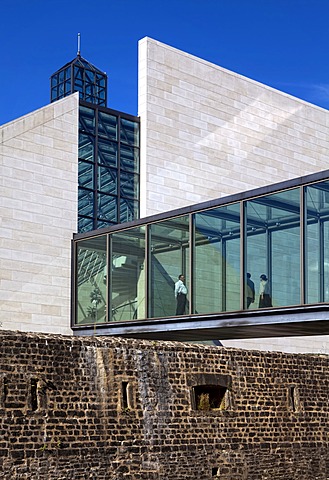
<point>180,294</point>
<point>264,292</point>
<point>250,290</point>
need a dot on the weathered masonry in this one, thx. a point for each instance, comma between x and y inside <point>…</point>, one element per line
<point>115,409</point>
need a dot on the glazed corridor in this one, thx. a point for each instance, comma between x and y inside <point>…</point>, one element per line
<point>129,272</point>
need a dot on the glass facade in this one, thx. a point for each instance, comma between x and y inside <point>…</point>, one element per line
<point>282,235</point>
<point>108,172</point>
<point>108,168</point>
<point>79,76</point>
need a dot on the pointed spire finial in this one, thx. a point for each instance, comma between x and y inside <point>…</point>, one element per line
<point>79,39</point>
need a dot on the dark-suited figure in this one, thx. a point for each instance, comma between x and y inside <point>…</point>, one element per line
<point>250,290</point>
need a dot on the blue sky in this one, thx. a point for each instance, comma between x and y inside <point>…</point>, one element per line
<point>282,43</point>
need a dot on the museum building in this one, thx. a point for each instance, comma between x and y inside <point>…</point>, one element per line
<point>217,177</point>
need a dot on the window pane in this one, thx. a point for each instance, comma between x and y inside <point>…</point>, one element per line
<point>217,260</point>
<point>273,246</point>
<point>54,80</point>
<point>78,73</point>
<point>129,184</point>
<point>103,224</point>
<point>107,125</point>
<point>317,240</point>
<point>169,254</point>
<point>86,202</point>
<point>129,210</point>
<point>87,119</point>
<point>67,87</point>
<point>129,158</point>
<point>85,175</point>
<point>54,93</point>
<point>129,132</point>
<point>107,180</point>
<point>89,76</point>
<point>86,147</point>
<point>107,153</point>
<point>91,281</point>
<point>67,73</point>
<point>101,80</point>
<point>128,275</point>
<point>85,224</point>
<point>107,208</point>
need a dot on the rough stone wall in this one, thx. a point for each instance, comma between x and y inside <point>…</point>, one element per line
<point>106,408</point>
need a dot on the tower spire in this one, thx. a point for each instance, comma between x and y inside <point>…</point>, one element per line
<point>79,41</point>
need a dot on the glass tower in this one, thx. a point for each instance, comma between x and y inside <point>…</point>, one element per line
<point>108,183</point>
<point>79,76</point>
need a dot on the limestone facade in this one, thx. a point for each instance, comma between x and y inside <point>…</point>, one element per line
<point>38,204</point>
<point>208,132</point>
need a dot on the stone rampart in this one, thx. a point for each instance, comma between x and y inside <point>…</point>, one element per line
<point>115,409</point>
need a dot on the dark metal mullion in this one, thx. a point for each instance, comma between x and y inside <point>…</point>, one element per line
<point>148,276</point>
<point>243,253</point>
<point>269,260</point>
<point>109,282</point>
<point>224,279</point>
<point>71,79</point>
<point>119,169</point>
<point>321,259</point>
<point>74,282</point>
<point>303,247</point>
<point>192,263</point>
<point>95,183</point>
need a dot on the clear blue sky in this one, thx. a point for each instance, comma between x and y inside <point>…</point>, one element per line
<point>282,43</point>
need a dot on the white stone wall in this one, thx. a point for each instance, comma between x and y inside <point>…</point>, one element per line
<point>38,214</point>
<point>311,344</point>
<point>208,132</point>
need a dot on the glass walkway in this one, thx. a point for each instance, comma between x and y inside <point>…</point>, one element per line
<point>124,276</point>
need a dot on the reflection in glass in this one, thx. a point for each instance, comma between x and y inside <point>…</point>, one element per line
<point>107,208</point>
<point>91,281</point>
<point>107,180</point>
<point>128,275</point>
<point>129,132</point>
<point>107,153</point>
<point>85,224</point>
<point>273,245</point>
<point>86,202</point>
<point>86,176</point>
<point>129,210</point>
<point>86,147</point>
<point>317,234</point>
<point>217,260</point>
<point>129,158</point>
<point>107,125</point>
<point>129,184</point>
<point>169,257</point>
<point>86,119</point>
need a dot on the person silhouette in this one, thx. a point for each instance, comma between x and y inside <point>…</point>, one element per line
<point>180,294</point>
<point>264,292</point>
<point>250,290</point>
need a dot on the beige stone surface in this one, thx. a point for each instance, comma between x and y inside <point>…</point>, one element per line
<point>208,132</point>
<point>318,344</point>
<point>38,207</point>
